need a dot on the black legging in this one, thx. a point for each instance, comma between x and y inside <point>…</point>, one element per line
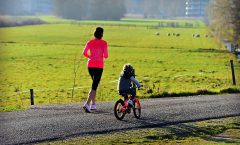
<point>96,74</point>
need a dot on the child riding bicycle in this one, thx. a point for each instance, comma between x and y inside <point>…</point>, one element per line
<point>125,86</point>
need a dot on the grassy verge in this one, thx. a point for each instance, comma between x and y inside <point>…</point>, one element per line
<point>216,131</point>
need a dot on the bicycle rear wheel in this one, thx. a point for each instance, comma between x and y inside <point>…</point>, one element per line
<point>137,108</point>
<point>118,109</point>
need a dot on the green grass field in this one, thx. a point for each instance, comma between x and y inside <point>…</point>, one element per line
<point>42,57</point>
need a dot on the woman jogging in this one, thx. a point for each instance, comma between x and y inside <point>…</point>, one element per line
<point>96,50</point>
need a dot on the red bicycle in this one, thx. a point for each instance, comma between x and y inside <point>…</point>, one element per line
<point>122,108</point>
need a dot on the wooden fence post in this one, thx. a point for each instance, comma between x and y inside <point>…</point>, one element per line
<point>31,96</point>
<point>233,75</point>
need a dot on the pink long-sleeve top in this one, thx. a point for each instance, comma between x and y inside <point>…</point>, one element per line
<point>96,50</point>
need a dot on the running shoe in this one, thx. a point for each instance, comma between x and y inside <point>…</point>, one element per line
<point>86,107</point>
<point>93,107</point>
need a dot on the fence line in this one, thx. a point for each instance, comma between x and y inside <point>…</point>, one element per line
<point>23,94</point>
<point>105,83</point>
<point>109,82</point>
<point>153,26</point>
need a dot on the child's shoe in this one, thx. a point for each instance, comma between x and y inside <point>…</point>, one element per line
<point>130,103</point>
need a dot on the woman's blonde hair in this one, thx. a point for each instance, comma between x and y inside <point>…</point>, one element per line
<point>128,67</point>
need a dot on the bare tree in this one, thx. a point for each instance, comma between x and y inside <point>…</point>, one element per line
<point>235,13</point>
<point>76,66</point>
<point>224,19</point>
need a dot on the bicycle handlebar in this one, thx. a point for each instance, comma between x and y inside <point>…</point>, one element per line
<point>135,87</point>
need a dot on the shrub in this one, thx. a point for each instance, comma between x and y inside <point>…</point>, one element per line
<point>9,21</point>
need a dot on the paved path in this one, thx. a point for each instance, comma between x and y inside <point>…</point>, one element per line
<point>51,122</point>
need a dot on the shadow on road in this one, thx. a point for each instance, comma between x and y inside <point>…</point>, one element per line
<point>183,131</point>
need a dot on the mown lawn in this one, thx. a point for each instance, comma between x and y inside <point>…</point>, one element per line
<point>42,57</point>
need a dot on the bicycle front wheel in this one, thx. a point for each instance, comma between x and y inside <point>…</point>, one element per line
<point>137,108</point>
<point>118,109</point>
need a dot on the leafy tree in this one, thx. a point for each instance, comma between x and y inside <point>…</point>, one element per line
<point>70,9</point>
<point>107,9</point>
<point>94,9</point>
<point>151,8</point>
<point>164,8</point>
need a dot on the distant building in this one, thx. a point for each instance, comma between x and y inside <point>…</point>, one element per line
<point>196,8</point>
<point>228,45</point>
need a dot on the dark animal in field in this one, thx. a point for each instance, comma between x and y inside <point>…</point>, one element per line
<point>178,34</point>
<point>197,35</point>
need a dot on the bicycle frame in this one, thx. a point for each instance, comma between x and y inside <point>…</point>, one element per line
<point>121,108</point>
